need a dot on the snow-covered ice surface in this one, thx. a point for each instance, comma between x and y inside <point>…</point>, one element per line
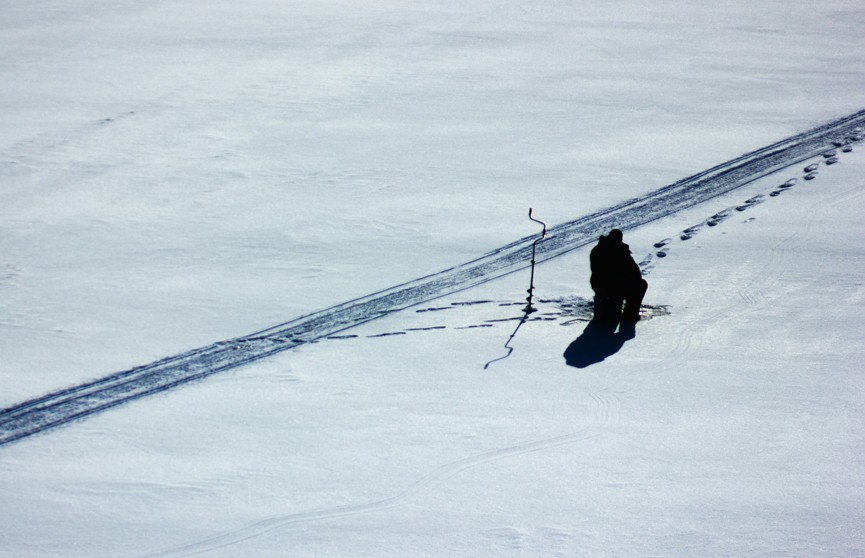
<point>178,173</point>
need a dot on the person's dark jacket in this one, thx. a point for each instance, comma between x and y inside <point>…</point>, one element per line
<point>614,271</point>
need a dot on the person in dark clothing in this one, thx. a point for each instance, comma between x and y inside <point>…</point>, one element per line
<point>616,279</point>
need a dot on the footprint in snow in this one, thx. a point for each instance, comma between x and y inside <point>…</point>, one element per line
<point>689,233</point>
<point>718,218</point>
<point>812,168</point>
<point>811,176</point>
<point>751,202</point>
<point>645,270</point>
<point>783,187</point>
<point>831,160</point>
<point>646,265</point>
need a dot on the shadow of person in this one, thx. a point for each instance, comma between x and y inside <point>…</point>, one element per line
<point>598,341</point>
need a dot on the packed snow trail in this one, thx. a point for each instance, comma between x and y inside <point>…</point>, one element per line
<point>60,407</point>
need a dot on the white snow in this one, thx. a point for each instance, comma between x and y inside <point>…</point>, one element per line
<point>177,173</point>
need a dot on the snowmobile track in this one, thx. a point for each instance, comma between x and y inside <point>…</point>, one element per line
<point>60,407</point>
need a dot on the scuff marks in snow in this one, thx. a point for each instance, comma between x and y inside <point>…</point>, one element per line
<point>564,310</point>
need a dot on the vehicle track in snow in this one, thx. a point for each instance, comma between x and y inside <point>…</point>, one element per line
<point>63,406</point>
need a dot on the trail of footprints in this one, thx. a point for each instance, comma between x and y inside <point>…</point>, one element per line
<point>810,172</point>
<point>572,310</point>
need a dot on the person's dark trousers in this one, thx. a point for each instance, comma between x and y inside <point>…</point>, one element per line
<point>608,308</point>
<point>633,300</point>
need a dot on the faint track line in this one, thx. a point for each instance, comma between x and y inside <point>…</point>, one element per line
<point>438,475</point>
<point>60,407</point>
<point>606,406</point>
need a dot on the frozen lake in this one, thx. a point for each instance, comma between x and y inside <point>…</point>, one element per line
<point>180,173</point>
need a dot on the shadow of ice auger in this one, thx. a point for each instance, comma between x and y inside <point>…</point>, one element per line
<point>529,309</point>
<point>508,347</point>
<point>598,341</point>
